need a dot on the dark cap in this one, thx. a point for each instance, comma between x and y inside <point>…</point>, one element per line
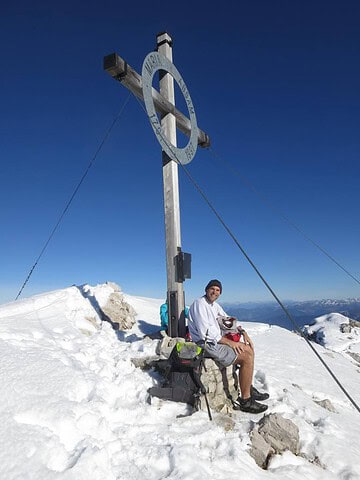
<point>214,283</point>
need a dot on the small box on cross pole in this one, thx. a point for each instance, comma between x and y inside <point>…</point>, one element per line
<point>182,266</point>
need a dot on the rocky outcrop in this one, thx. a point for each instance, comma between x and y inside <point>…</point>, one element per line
<point>221,385</point>
<point>119,311</point>
<point>273,434</point>
<point>108,302</point>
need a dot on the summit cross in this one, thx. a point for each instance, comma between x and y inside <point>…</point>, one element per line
<point>178,266</point>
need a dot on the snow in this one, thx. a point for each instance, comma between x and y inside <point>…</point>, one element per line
<point>326,329</point>
<point>74,406</point>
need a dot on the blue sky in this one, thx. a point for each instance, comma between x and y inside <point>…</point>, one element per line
<point>274,84</point>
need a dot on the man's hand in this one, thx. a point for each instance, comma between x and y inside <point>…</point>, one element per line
<point>238,347</point>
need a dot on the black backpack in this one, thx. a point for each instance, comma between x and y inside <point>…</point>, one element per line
<point>181,374</point>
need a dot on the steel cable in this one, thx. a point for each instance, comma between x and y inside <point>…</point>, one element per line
<point>267,203</point>
<point>69,202</point>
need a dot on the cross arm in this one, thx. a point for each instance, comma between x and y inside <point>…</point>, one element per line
<point>120,70</point>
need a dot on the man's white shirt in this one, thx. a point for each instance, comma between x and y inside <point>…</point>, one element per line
<point>203,320</point>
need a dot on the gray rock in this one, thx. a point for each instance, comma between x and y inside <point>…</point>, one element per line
<point>273,434</point>
<point>260,450</point>
<point>354,355</point>
<point>280,433</point>
<point>144,363</point>
<point>220,386</point>
<point>345,328</point>
<point>326,404</point>
<point>119,311</point>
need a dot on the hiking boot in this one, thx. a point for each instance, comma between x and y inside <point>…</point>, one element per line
<point>249,405</point>
<point>256,395</point>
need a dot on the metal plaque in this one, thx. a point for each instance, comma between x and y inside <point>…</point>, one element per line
<point>153,62</point>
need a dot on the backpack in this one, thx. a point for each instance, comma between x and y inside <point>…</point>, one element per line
<point>181,372</point>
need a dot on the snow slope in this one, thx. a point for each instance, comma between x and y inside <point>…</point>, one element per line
<point>326,330</point>
<point>74,406</point>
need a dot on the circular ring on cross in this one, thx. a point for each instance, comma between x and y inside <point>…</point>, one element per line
<point>153,62</point>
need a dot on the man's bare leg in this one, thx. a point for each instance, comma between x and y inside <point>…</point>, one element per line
<point>246,361</point>
<point>247,403</point>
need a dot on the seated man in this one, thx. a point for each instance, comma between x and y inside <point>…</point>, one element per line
<point>203,326</point>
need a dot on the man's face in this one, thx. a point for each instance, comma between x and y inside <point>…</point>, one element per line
<point>212,294</point>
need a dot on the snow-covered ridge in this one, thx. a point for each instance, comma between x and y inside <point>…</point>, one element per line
<point>329,301</point>
<point>75,407</point>
<point>337,333</point>
<point>323,301</point>
<point>333,301</point>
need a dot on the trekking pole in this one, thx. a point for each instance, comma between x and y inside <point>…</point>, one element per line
<point>203,387</point>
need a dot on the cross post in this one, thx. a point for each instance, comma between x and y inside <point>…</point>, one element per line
<point>177,262</point>
<point>175,291</point>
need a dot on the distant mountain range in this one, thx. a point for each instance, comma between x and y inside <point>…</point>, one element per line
<point>303,313</point>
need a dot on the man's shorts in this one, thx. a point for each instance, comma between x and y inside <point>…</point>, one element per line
<point>222,354</point>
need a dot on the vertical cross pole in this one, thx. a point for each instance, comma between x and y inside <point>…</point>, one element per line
<point>175,292</point>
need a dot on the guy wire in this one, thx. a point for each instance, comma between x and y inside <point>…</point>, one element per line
<point>267,203</point>
<point>92,161</point>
